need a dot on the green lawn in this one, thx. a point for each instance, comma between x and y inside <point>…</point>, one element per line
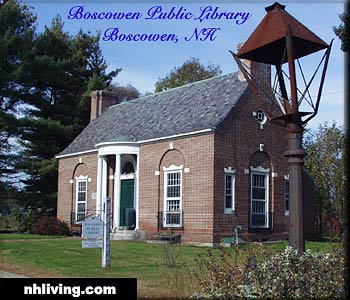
<point>27,236</point>
<point>146,262</point>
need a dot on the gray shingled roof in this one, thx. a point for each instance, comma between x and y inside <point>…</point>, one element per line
<point>193,107</point>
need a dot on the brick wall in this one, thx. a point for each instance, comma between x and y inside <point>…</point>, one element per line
<point>196,154</point>
<point>237,145</point>
<point>68,169</point>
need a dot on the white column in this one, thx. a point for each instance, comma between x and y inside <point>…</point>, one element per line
<point>99,187</point>
<point>137,190</point>
<point>104,181</point>
<point>116,198</point>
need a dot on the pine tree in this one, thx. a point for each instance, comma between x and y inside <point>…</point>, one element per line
<point>17,30</point>
<point>63,70</point>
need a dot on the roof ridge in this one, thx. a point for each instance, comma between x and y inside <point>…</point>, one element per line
<point>172,89</point>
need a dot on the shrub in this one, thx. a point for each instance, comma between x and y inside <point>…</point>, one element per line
<point>220,276</point>
<point>24,220</point>
<point>290,275</point>
<point>49,225</point>
<point>8,223</point>
<point>266,275</point>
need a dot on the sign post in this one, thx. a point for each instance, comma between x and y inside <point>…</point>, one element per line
<point>106,252</point>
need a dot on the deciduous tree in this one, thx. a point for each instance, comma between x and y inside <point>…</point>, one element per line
<point>191,71</point>
<point>325,161</point>
<point>343,31</point>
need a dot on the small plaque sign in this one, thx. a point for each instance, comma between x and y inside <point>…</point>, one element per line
<point>92,233</point>
<point>92,244</point>
<point>92,228</point>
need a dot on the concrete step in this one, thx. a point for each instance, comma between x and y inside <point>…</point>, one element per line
<point>123,235</point>
<point>127,235</point>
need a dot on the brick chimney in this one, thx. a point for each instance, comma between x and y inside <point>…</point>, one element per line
<point>101,100</point>
<point>259,71</point>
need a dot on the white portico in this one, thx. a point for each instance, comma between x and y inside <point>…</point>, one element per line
<point>122,159</point>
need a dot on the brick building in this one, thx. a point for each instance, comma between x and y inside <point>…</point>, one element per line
<point>199,159</point>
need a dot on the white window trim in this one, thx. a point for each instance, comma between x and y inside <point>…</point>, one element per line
<point>127,176</point>
<point>79,179</point>
<point>232,173</point>
<point>169,170</point>
<point>173,168</point>
<point>265,172</point>
<point>260,169</point>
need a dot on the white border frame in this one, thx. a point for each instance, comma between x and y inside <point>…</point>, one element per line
<point>266,173</point>
<point>81,178</point>
<point>230,172</point>
<point>169,170</point>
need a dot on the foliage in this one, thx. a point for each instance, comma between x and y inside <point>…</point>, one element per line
<point>23,220</point>
<point>17,26</point>
<point>8,223</point>
<point>171,253</point>
<point>290,275</point>
<point>325,162</point>
<point>176,271</point>
<point>221,276</point>
<point>191,71</point>
<point>45,83</point>
<point>33,221</point>
<point>343,32</point>
<point>49,225</point>
<point>66,258</point>
<point>266,275</point>
<point>124,93</point>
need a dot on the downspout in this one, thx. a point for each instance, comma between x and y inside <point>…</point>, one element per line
<point>72,202</point>
<point>158,213</point>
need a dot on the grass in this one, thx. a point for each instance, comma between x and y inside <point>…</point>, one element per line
<point>27,236</point>
<point>146,262</point>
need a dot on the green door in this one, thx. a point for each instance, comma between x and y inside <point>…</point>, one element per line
<point>126,198</point>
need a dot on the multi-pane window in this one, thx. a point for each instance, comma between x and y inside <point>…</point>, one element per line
<point>229,192</point>
<point>173,186</point>
<point>259,200</point>
<point>81,197</point>
<point>286,196</point>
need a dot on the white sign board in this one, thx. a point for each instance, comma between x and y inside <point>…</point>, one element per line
<point>92,228</point>
<point>92,233</point>
<point>92,244</point>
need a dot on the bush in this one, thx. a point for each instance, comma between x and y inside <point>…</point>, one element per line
<point>266,275</point>
<point>49,225</point>
<point>24,220</point>
<point>8,224</point>
<point>289,275</point>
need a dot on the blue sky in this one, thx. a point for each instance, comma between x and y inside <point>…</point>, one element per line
<point>144,62</point>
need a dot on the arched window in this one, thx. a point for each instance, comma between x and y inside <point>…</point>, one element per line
<point>128,168</point>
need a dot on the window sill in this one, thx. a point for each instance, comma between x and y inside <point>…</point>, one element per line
<point>172,226</point>
<point>260,229</point>
<point>286,213</point>
<point>229,212</point>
